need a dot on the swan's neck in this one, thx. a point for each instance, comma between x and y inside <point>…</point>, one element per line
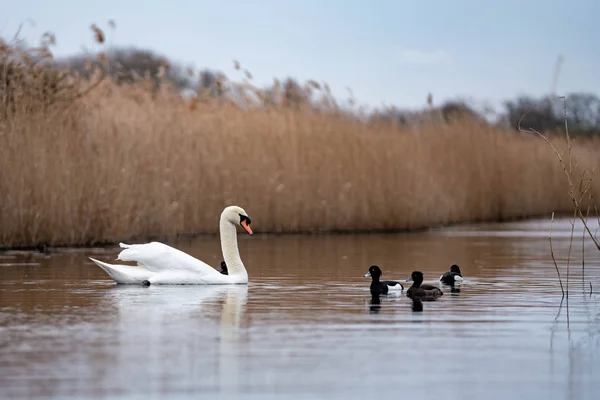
<point>229,247</point>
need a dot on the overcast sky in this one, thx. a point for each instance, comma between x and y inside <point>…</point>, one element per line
<point>388,52</point>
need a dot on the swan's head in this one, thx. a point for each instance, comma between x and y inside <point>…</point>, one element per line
<point>223,268</point>
<point>237,216</point>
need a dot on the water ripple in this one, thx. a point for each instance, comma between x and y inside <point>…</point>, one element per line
<point>305,326</point>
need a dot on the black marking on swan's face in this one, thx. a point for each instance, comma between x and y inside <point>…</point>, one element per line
<point>245,218</point>
<point>245,222</point>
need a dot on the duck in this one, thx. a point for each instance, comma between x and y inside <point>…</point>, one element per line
<point>161,264</point>
<point>381,287</point>
<point>453,276</point>
<point>223,268</point>
<point>423,292</point>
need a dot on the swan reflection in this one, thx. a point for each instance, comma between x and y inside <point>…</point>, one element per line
<point>156,321</point>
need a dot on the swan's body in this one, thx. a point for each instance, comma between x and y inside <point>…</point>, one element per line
<point>159,263</point>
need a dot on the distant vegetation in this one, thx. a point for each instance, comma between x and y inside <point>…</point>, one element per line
<point>128,65</point>
<point>115,151</point>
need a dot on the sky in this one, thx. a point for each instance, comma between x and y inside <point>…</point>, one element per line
<point>388,52</point>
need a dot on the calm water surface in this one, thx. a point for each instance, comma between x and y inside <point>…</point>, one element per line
<point>304,327</point>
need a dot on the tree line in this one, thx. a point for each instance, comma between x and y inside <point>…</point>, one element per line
<point>126,65</point>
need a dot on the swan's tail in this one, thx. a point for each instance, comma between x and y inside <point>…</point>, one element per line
<point>138,252</point>
<point>124,273</point>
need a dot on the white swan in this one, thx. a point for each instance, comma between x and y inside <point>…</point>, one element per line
<point>162,264</point>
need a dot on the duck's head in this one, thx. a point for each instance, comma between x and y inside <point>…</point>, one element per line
<point>416,277</point>
<point>455,268</point>
<point>237,216</point>
<point>223,268</point>
<point>374,271</point>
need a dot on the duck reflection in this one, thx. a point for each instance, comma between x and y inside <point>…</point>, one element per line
<point>375,304</point>
<point>417,305</point>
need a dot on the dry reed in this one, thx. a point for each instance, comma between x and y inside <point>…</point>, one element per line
<point>580,185</point>
<point>125,162</point>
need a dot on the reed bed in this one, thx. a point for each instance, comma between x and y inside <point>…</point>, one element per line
<point>123,162</point>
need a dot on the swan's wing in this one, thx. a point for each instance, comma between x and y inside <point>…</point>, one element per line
<point>159,257</point>
<point>124,273</point>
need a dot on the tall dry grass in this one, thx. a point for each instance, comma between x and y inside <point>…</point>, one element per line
<point>123,161</point>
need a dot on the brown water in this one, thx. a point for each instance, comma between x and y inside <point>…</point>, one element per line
<point>304,326</point>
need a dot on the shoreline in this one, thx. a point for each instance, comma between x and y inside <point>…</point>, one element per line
<point>45,247</point>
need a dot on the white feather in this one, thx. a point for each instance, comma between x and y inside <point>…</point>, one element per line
<point>395,287</point>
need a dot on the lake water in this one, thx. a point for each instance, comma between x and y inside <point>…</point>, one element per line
<point>304,327</point>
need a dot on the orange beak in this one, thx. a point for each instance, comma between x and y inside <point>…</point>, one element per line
<point>246,227</point>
